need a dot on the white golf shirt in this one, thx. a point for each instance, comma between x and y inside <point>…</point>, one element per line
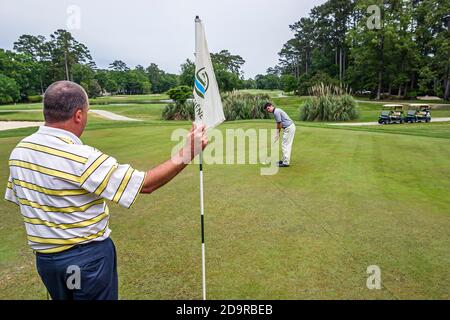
<point>60,186</point>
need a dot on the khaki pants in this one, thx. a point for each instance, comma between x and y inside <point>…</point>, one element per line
<point>286,143</point>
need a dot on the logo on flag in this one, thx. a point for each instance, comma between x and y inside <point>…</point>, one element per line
<point>207,101</point>
<point>201,82</point>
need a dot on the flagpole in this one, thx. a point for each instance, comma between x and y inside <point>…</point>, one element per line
<point>202,222</point>
<point>208,111</point>
<point>202,210</point>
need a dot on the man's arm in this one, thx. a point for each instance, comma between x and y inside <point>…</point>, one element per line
<point>162,174</point>
<point>279,127</point>
<point>277,116</point>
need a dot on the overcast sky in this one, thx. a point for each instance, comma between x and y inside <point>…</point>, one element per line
<point>161,31</point>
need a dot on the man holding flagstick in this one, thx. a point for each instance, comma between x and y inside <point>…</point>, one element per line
<point>208,112</point>
<point>60,186</point>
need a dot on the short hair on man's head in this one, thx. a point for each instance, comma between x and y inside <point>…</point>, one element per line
<point>62,99</point>
<point>268,104</point>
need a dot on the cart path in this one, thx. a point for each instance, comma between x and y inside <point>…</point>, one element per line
<point>112,116</point>
<point>8,125</point>
<point>377,124</point>
<point>102,113</point>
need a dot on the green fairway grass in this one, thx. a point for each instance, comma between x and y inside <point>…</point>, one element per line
<point>149,107</point>
<point>37,115</point>
<point>129,99</point>
<point>137,111</point>
<point>353,197</point>
<point>270,93</point>
<point>290,105</point>
<point>435,130</point>
<point>21,106</point>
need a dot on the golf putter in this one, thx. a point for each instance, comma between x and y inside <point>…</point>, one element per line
<point>273,143</point>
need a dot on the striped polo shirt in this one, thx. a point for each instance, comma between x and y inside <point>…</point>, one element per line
<point>60,185</point>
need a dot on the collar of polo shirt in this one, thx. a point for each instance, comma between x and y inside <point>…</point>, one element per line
<point>64,134</point>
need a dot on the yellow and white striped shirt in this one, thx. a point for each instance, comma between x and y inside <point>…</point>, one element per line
<point>60,185</point>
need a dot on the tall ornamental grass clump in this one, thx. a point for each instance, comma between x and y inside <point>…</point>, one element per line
<point>329,103</point>
<point>179,111</point>
<point>236,106</point>
<point>243,106</point>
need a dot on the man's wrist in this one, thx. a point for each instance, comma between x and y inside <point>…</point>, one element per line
<point>186,154</point>
<point>181,157</point>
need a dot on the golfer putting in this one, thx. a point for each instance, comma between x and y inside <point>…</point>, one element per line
<point>285,123</point>
<point>60,185</point>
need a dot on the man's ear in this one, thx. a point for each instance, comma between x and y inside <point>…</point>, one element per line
<point>78,116</point>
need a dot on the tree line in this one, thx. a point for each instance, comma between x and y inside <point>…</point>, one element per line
<point>382,48</point>
<point>389,48</point>
<point>35,62</point>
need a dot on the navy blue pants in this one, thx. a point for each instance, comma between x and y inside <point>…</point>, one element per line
<point>84,272</point>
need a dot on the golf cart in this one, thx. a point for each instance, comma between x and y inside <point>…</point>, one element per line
<point>392,113</point>
<point>418,112</point>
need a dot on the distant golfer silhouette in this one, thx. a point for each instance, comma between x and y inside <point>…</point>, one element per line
<point>285,123</point>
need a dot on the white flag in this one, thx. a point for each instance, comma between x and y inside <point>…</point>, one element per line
<point>207,101</point>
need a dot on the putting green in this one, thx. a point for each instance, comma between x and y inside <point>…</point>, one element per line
<point>351,199</point>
